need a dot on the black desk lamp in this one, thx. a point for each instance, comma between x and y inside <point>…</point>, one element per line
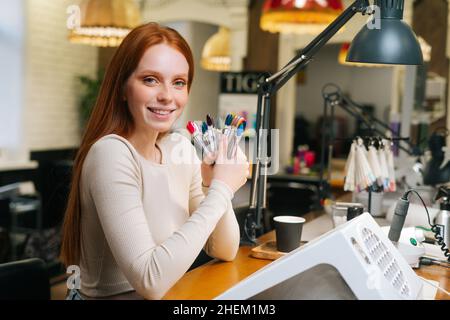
<point>393,43</point>
<point>334,97</point>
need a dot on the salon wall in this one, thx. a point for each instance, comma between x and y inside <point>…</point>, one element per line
<point>364,85</point>
<point>52,65</point>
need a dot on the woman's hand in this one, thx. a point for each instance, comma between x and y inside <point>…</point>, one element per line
<point>233,172</point>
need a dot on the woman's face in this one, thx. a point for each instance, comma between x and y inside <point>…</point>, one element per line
<point>157,90</point>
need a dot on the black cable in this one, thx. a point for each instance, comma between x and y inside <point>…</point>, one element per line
<point>440,241</point>
<point>434,228</point>
<point>429,262</point>
<point>423,202</point>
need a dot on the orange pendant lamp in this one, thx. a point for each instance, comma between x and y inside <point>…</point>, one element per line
<point>299,16</point>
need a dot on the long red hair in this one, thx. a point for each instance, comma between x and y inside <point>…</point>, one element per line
<point>111,115</point>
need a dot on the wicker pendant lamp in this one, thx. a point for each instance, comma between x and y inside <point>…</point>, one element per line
<point>104,23</point>
<point>216,54</point>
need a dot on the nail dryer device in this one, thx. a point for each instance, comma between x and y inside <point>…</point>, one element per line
<point>356,260</point>
<point>410,245</point>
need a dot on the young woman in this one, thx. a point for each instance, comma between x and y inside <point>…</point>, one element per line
<point>140,210</point>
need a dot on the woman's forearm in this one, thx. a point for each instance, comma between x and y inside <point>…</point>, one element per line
<point>223,242</point>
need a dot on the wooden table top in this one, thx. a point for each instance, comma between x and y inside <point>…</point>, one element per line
<point>215,277</point>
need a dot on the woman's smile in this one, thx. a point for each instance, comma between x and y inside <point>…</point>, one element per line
<point>160,113</point>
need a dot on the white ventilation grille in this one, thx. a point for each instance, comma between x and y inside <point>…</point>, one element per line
<point>380,255</point>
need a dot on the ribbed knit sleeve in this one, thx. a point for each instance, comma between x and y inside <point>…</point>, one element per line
<point>115,188</point>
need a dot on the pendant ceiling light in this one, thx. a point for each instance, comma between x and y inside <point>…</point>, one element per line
<point>216,54</point>
<point>299,16</point>
<point>105,23</point>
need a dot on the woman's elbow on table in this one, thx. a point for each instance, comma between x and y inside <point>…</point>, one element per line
<point>227,252</point>
<point>230,256</point>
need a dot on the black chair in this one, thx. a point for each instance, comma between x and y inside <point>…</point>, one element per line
<point>19,214</point>
<point>52,183</point>
<point>53,186</point>
<point>5,245</point>
<point>24,280</point>
<point>7,193</point>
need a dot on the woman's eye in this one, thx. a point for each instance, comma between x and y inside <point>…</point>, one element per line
<point>180,83</point>
<point>150,80</point>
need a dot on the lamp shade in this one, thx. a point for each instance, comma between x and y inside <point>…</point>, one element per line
<point>105,23</point>
<point>299,16</point>
<point>216,54</point>
<point>391,42</point>
<point>342,58</point>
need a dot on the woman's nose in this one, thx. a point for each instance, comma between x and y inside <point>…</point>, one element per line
<point>164,94</point>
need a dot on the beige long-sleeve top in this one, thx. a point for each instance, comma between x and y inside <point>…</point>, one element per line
<point>143,223</point>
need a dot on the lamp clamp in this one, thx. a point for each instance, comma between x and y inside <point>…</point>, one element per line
<point>364,7</point>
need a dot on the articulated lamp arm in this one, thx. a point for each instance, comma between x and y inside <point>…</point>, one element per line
<point>268,86</point>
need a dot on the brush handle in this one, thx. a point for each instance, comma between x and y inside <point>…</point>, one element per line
<point>231,146</point>
<point>209,135</point>
<point>227,132</point>
<point>208,142</point>
<point>198,140</point>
